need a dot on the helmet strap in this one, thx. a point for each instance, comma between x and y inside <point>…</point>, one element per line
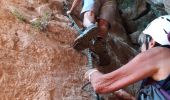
<point>148,39</point>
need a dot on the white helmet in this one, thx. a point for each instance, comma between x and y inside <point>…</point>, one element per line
<point>159,29</point>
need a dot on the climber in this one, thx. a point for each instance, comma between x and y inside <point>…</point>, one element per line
<point>97,19</point>
<point>153,63</point>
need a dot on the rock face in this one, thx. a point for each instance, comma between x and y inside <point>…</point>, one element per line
<point>167,6</point>
<point>38,65</point>
<point>37,60</point>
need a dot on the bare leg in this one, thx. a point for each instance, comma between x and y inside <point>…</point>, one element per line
<point>103,28</point>
<point>83,41</point>
<point>100,43</point>
<point>89,18</point>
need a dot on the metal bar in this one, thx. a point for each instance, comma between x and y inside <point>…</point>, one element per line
<point>71,18</point>
<point>88,53</point>
<point>90,66</point>
<point>74,24</point>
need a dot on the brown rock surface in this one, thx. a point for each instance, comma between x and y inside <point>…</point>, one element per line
<point>34,66</point>
<point>167,6</point>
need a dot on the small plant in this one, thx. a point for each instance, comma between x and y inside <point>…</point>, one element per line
<point>36,24</point>
<point>41,23</point>
<point>19,15</point>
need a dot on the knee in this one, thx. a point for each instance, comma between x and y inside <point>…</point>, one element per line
<point>89,18</point>
<point>103,28</point>
<point>103,25</point>
<point>89,15</point>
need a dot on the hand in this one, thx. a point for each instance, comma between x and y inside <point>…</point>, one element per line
<point>89,73</point>
<point>68,12</point>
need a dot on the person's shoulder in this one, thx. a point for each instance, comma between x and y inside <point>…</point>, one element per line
<point>155,52</point>
<point>149,53</point>
<point>159,50</point>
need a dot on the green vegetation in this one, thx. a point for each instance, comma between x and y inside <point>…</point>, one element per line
<point>19,15</point>
<point>41,23</point>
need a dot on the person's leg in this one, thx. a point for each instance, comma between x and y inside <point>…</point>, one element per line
<point>103,28</point>
<point>106,16</point>
<point>83,41</point>
<point>89,18</point>
<point>100,43</point>
<point>89,11</point>
<point>104,23</point>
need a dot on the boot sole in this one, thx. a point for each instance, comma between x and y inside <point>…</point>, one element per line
<point>83,41</point>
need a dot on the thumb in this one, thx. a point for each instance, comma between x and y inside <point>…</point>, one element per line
<point>68,12</point>
<point>89,73</point>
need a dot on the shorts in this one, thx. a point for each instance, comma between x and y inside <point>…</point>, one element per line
<point>103,9</point>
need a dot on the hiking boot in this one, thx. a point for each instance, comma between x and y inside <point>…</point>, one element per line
<point>101,50</point>
<point>82,46</point>
<point>83,41</point>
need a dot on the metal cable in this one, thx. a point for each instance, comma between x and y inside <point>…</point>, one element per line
<point>88,52</point>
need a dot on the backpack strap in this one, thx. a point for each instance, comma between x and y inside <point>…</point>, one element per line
<point>149,81</point>
<point>166,83</point>
<point>146,82</point>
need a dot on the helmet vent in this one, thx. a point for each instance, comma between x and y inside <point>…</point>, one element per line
<point>165,31</point>
<point>168,19</point>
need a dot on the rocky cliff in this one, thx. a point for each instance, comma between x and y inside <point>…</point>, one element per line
<point>37,58</point>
